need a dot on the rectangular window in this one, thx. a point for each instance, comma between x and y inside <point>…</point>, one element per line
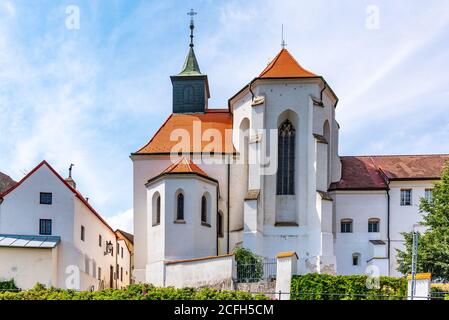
<point>117,272</point>
<point>428,195</point>
<point>45,227</point>
<point>46,198</point>
<point>99,273</point>
<point>406,197</point>
<point>373,225</point>
<point>121,274</point>
<point>122,252</point>
<point>100,241</point>
<point>83,233</point>
<point>355,260</point>
<point>346,226</point>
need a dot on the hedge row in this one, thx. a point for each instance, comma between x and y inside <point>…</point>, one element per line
<point>132,292</point>
<point>327,287</point>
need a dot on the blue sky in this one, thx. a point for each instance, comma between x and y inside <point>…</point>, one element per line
<point>93,95</point>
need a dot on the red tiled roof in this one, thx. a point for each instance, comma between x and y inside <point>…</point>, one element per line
<point>75,192</point>
<point>184,165</point>
<point>220,120</point>
<point>373,172</point>
<point>285,66</point>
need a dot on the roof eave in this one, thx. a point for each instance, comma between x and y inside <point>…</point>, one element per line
<point>246,87</point>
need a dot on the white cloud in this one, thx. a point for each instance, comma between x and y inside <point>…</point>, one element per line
<point>122,221</point>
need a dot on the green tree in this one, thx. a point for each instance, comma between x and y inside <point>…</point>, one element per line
<point>249,266</point>
<point>433,249</point>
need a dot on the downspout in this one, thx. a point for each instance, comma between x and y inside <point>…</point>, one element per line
<point>321,92</point>
<point>216,222</point>
<point>116,263</point>
<point>228,204</point>
<point>388,226</point>
<point>387,181</point>
<point>250,90</point>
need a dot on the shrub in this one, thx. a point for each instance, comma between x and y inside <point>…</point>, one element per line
<point>249,266</point>
<point>328,287</point>
<point>8,285</point>
<point>132,292</point>
<point>439,290</point>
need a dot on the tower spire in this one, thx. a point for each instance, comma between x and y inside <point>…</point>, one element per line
<point>191,13</point>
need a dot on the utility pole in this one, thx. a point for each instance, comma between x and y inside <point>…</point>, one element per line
<point>414,261</point>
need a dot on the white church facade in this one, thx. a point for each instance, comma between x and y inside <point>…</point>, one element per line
<point>265,174</point>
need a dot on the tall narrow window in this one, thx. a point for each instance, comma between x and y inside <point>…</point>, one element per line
<point>220,225</point>
<point>204,209</point>
<point>373,225</point>
<point>180,207</point>
<point>45,227</point>
<point>100,241</point>
<point>156,204</point>
<point>158,210</point>
<point>83,233</point>
<point>188,94</point>
<point>286,159</point>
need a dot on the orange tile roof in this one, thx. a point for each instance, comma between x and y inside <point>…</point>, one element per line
<point>195,124</point>
<point>184,165</point>
<point>285,66</point>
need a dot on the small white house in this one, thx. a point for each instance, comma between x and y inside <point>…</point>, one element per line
<point>49,233</point>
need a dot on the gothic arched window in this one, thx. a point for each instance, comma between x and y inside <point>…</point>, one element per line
<point>204,209</point>
<point>286,159</point>
<point>180,207</point>
<point>188,94</point>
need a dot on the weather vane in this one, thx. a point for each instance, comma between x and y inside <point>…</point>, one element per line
<point>191,13</point>
<point>283,44</point>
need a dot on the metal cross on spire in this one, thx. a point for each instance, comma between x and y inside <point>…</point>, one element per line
<point>283,44</point>
<point>191,13</point>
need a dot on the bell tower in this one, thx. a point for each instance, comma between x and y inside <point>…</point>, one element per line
<point>190,86</point>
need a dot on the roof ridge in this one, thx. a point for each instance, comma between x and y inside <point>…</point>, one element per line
<point>396,155</point>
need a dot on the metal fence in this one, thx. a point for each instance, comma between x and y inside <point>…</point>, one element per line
<point>263,269</point>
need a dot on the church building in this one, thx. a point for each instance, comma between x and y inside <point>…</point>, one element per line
<point>264,173</point>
